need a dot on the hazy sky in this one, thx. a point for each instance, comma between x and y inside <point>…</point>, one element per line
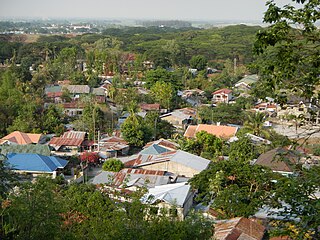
<point>138,9</point>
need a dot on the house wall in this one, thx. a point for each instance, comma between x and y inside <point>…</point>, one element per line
<point>173,167</point>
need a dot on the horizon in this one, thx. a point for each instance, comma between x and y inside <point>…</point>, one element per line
<point>202,10</point>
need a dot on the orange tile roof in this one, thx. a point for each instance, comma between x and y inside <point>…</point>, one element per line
<point>220,131</point>
<point>22,138</point>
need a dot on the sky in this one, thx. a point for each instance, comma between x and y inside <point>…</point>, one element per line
<point>240,10</point>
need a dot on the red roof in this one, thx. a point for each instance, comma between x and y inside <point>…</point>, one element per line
<point>54,94</point>
<point>238,228</point>
<point>22,138</point>
<point>150,107</point>
<point>223,90</point>
<point>121,176</point>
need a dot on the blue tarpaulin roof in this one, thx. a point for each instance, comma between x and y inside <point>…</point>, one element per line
<point>35,162</point>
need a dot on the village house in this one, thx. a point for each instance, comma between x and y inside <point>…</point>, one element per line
<point>163,143</point>
<point>99,94</point>
<point>246,82</point>
<point>70,143</point>
<point>147,107</point>
<point>76,91</point>
<point>35,164</point>
<point>113,147</point>
<point>73,109</point>
<point>20,138</point>
<point>176,197</point>
<point>179,163</point>
<point>281,160</point>
<point>53,93</point>
<point>222,96</point>
<point>220,131</point>
<point>180,118</point>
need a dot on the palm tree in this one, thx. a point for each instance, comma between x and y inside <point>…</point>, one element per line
<point>254,124</point>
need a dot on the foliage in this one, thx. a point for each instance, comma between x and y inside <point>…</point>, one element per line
<point>113,165</point>
<point>135,131</point>
<point>46,210</point>
<point>254,124</point>
<point>299,195</point>
<point>224,113</point>
<point>198,62</point>
<point>161,128</point>
<point>205,145</point>
<point>89,157</point>
<point>242,150</point>
<point>163,93</point>
<point>234,187</point>
<point>289,57</point>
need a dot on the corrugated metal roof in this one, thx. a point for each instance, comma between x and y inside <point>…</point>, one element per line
<point>154,150</point>
<point>190,160</point>
<point>179,156</point>
<point>22,138</point>
<point>77,88</point>
<point>35,162</point>
<point>74,134</point>
<point>175,194</point>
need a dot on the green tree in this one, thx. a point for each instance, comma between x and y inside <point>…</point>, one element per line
<point>235,188</point>
<point>52,120</point>
<point>205,145</point>
<point>198,62</point>
<point>135,131</point>
<point>163,93</point>
<point>113,165</point>
<point>254,124</point>
<point>289,57</point>
<point>161,128</point>
<point>34,211</point>
<point>242,150</point>
<point>299,195</point>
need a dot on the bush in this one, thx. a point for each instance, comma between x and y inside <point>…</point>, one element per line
<point>113,165</point>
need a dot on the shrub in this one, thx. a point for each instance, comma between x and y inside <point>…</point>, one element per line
<point>112,165</point>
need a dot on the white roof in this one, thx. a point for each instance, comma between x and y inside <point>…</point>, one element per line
<point>175,194</point>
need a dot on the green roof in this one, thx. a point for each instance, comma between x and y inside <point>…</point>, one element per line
<point>27,148</point>
<point>249,79</point>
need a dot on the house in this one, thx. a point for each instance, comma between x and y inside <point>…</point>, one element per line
<point>266,107</point>
<point>154,149</point>
<point>221,131</point>
<point>177,195</point>
<point>180,118</point>
<point>245,83</point>
<point>222,96</point>
<point>20,138</point>
<point>193,96</point>
<point>280,160</point>
<point>150,107</point>
<point>53,93</point>
<point>163,143</point>
<point>73,109</point>
<point>77,90</point>
<point>35,164</point>
<point>100,95</point>
<point>177,162</point>
<point>238,229</point>
<point>70,143</point>
<point>133,178</point>
<point>113,146</point>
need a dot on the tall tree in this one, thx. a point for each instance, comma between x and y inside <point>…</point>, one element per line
<point>290,56</point>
